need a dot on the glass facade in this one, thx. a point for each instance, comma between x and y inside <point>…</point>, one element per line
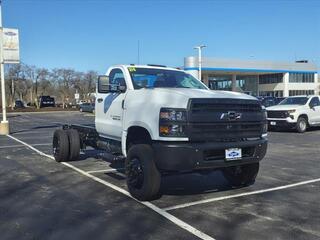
<point>247,83</point>
<point>300,92</point>
<point>271,93</point>
<point>301,77</point>
<point>271,78</point>
<point>220,82</point>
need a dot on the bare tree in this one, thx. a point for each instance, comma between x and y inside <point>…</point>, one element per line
<point>65,80</point>
<point>15,81</point>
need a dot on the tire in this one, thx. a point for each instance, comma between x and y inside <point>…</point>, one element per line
<point>74,144</point>
<point>143,177</point>
<point>60,146</point>
<point>243,175</point>
<point>302,125</point>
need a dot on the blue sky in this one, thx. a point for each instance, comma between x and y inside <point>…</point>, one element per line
<point>94,34</point>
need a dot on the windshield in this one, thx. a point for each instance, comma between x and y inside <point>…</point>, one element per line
<point>162,78</point>
<point>294,101</point>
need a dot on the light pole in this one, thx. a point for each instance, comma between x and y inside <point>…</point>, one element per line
<point>199,58</point>
<point>4,125</point>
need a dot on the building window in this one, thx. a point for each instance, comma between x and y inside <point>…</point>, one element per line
<point>300,92</point>
<point>220,82</point>
<point>271,93</point>
<point>271,78</point>
<point>248,84</point>
<point>301,77</point>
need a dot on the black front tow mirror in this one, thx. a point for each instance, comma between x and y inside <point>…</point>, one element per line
<point>103,84</point>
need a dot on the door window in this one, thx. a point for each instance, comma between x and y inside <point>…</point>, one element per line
<point>112,83</point>
<point>116,78</point>
<point>315,102</point>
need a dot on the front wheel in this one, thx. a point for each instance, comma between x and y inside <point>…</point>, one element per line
<point>243,175</point>
<point>302,125</point>
<point>143,177</point>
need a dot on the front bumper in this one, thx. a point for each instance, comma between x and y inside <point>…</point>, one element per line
<point>175,156</point>
<point>283,123</point>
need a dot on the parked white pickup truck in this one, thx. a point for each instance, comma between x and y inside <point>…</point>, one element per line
<point>299,112</point>
<point>164,121</point>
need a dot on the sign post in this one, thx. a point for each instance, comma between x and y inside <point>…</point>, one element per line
<point>9,53</point>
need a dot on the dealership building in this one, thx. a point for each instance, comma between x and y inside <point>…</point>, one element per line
<point>257,78</point>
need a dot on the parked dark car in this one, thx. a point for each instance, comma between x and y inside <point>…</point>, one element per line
<point>87,107</point>
<point>18,104</point>
<point>46,101</point>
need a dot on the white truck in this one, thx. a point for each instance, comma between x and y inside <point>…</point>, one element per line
<point>299,112</point>
<point>164,121</point>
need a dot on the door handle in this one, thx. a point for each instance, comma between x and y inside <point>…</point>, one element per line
<point>99,100</point>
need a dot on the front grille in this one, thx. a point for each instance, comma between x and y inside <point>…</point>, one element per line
<point>221,131</point>
<point>218,105</point>
<point>277,114</point>
<point>206,124</point>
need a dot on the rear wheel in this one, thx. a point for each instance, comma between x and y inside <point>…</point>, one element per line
<point>60,146</point>
<point>302,125</point>
<point>143,177</point>
<point>243,175</point>
<point>74,144</point>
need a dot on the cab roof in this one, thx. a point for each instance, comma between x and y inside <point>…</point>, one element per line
<point>154,66</point>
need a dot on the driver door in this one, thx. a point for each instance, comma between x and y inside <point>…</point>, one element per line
<point>109,105</point>
<point>314,112</point>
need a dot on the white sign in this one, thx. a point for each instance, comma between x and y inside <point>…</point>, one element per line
<point>76,96</point>
<point>10,45</point>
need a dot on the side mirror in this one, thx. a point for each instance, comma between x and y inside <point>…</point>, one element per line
<point>103,84</point>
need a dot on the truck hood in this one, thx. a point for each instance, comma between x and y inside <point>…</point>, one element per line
<point>283,107</point>
<point>203,93</point>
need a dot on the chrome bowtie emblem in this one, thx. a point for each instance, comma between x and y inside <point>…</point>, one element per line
<point>230,116</point>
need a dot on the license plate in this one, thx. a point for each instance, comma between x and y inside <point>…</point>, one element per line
<point>273,123</point>
<point>233,154</point>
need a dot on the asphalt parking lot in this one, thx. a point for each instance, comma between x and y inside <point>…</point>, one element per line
<point>42,199</point>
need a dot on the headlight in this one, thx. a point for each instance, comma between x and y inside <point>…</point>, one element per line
<point>172,122</point>
<point>171,114</point>
<point>265,128</point>
<point>265,114</point>
<point>291,111</point>
<point>265,125</point>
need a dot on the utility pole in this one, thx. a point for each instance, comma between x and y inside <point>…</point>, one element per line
<point>199,58</point>
<point>4,125</point>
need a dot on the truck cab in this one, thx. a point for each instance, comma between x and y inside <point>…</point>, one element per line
<point>164,121</point>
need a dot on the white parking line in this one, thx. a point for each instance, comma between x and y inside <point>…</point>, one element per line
<point>36,137</point>
<point>106,170</point>
<point>21,145</point>
<point>184,205</point>
<point>158,210</point>
<point>27,131</point>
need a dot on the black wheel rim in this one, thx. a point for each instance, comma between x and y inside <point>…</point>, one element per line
<point>56,146</point>
<point>135,173</point>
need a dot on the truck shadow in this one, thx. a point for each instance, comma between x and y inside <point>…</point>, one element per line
<point>194,183</point>
<point>175,184</point>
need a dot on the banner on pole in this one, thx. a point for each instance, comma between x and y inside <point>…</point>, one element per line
<point>10,45</point>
